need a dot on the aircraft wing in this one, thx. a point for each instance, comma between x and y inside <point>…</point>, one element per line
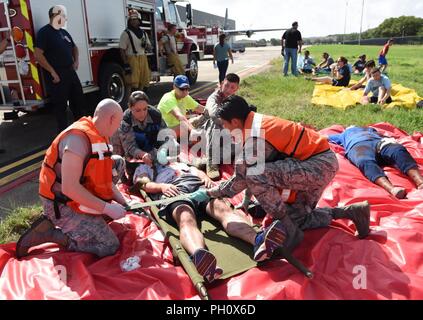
<point>250,32</point>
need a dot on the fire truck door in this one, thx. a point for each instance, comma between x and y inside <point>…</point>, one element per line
<point>76,26</point>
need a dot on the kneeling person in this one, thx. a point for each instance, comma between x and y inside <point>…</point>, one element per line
<point>185,214</point>
<point>76,187</point>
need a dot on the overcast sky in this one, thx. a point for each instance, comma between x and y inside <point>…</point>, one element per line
<point>315,17</point>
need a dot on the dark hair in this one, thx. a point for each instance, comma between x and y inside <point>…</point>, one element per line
<point>170,27</point>
<point>306,52</point>
<point>370,64</point>
<point>325,54</point>
<point>137,96</point>
<point>375,70</point>
<point>344,60</point>
<point>234,107</point>
<point>222,38</point>
<point>362,56</point>
<point>295,23</point>
<point>232,77</point>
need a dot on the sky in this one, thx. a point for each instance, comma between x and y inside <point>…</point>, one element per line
<point>315,17</point>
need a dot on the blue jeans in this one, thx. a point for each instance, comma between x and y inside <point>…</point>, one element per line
<point>365,157</point>
<point>223,68</point>
<point>290,54</point>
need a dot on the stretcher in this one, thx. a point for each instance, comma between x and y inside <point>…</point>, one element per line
<point>234,256</point>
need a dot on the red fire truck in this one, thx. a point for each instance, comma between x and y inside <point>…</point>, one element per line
<point>96,26</point>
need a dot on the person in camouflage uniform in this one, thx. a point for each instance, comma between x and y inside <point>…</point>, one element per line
<point>286,167</point>
<point>77,190</point>
<point>213,128</point>
<point>137,137</point>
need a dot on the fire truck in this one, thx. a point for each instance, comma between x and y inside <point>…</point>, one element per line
<point>96,26</point>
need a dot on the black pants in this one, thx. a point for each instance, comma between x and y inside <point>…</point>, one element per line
<point>223,68</point>
<point>68,89</point>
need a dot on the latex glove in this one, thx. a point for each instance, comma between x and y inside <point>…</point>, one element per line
<point>162,156</point>
<point>114,210</point>
<point>200,196</point>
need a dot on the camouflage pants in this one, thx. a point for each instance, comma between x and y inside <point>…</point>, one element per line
<point>118,168</point>
<point>309,178</point>
<point>87,233</point>
<point>219,147</point>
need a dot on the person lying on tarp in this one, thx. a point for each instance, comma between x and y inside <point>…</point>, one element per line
<point>367,75</point>
<point>369,151</point>
<point>342,75</point>
<point>181,179</point>
<point>137,136</point>
<point>77,188</point>
<point>286,167</point>
<point>380,86</point>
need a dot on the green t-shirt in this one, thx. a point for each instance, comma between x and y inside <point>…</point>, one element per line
<point>169,103</point>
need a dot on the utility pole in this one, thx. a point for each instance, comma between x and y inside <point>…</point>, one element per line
<point>345,23</point>
<point>361,23</point>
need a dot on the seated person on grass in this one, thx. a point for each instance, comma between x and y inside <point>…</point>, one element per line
<point>380,86</point>
<point>324,65</point>
<point>370,65</point>
<point>342,75</point>
<point>368,151</point>
<point>175,104</point>
<point>359,65</point>
<point>181,179</point>
<point>308,63</point>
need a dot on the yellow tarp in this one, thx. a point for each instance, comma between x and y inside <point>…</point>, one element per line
<point>343,98</point>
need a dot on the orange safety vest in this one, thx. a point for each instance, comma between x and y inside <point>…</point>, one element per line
<point>289,138</point>
<point>97,173</point>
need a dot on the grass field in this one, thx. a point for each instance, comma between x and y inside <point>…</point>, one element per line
<point>290,97</point>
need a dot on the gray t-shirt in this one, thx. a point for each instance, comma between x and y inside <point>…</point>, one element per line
<point>374,85</point>
<point>79,145</point>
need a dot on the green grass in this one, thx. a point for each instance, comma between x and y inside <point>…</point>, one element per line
<point>290,98</point>
<point>15,224</point>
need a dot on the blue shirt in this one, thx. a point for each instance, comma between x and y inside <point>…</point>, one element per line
<point>374,85</point>
<point>57,46</point>
<point>308,63</point>
<point>222,52</point>
<point>354,135</point>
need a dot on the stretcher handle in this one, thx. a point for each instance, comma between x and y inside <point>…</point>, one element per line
<point>284,252</point>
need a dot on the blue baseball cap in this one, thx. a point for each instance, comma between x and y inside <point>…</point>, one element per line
<point>181,82</point>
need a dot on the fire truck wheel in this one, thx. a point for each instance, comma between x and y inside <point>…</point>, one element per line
<point>113,85</point>
<point>192,73</point>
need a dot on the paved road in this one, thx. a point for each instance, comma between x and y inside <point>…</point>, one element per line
<point>32,132</point>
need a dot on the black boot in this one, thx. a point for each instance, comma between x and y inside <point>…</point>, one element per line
<point>41,231</point>
<point>359,213</point>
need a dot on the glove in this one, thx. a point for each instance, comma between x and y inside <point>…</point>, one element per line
<point>114,211</point>
<point>200,196</point>
<point>162,156</point>
<point>127,69</point>
<point>283,52</point>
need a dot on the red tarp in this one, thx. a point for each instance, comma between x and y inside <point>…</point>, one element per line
<point>389,262</point>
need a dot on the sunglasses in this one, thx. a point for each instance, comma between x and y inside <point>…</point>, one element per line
<point>184,89</point>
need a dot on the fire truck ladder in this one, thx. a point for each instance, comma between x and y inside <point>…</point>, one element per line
<point>15,60</point>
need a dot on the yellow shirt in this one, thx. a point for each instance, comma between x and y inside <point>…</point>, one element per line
<point>169,103</point>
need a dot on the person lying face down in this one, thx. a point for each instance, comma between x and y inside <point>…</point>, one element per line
<point>369,151</point>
